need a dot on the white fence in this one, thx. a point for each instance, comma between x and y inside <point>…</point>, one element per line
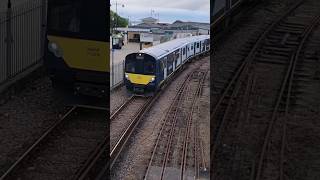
<point>116,75</point>
<point>22,33</point>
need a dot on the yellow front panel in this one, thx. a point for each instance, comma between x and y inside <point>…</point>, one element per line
<point>84,54</point>
<point>140,78</point>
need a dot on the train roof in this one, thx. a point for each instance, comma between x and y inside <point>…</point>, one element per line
<point>162,49</point>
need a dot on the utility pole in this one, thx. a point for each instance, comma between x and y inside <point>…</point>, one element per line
<point>116,14</point>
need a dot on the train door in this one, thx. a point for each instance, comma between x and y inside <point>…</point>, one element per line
<point>186,50</point>
<point>165,67</point>
<point>179,57</point>
<point>170,61</point>
<point>198,48</point>
<point>203,46</point>
<point>192,51</point>
<point>160,75</point>
<point>207,42</point>
<point>174,61</point>
<point>184,54</point>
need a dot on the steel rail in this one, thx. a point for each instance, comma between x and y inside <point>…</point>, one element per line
<point>88,166</point>
<point>173,125</point>
<point>189,126</point>
<point>172,106</point>
<point>242,72</point>
<point>245,64</point>
<point>35,145</point>
<point>120,144</point>
<point>287,81</point>
<point>124,105</point>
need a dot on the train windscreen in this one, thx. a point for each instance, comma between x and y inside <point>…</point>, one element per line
<point>84,19</point>
<point>140,66</point>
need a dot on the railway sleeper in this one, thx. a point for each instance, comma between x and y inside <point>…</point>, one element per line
<point>277,49</point>
<point>271,61</point>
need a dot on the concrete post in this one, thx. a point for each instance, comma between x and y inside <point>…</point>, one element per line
<point>43,26</point>
<point>9,39</point>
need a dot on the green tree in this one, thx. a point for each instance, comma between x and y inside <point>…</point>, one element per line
<point>116,20</point>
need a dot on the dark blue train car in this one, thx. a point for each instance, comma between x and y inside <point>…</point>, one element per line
<point>147,70</point>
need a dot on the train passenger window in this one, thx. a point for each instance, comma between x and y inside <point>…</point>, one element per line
<point>191,47</point>
<point>184,51</point>
<point>198,45</point>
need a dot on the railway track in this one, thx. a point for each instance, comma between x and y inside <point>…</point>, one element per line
<point>123,122</point>
<point>93,166</point>
<point>177,152</point>
<point>63,149</point>
<point>277,49</point>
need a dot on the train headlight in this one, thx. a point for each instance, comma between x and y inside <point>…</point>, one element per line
<point>55,49</point>
<point>152,79</point>
<point>127,76</point>
<point>53,46</point>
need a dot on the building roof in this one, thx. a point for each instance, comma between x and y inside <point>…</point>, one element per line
<point>149,19</point>
<point>177,25</point>
<point>163,49</point>
<point>129,29</point>
<point>197,25</point>
<point>147,25</point>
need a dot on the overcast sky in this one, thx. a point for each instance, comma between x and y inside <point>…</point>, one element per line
<point>169,10</point>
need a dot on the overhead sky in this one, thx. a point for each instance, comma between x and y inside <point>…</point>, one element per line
<point>168,10</point>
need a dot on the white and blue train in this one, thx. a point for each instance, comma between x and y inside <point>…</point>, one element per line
<point>147,70</point>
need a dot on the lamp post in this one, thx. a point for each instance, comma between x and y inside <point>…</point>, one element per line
<point>116,18</point>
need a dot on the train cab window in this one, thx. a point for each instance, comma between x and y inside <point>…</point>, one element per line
<point>140,66</point>
<point>149,67</point>
<point>77,18</point>
<point>133,66</point>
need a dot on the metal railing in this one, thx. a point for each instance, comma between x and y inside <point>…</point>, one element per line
<point>22,33</point>
<point>116,75</point>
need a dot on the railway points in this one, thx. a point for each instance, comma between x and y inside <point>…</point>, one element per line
<point>257,95</point>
